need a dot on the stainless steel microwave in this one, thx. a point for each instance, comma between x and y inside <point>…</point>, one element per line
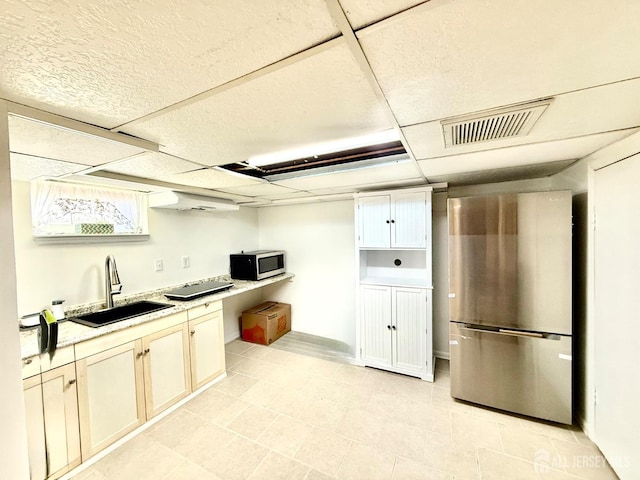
<point>256,265</point>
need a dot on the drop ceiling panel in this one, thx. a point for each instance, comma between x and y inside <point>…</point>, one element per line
<point>109,62</point>
<point>44,140</point>
<point>601,109</point>
<point>26,167</point>
<point>319,98</point>
<point>397,172</point>
<point>154,165</point>
<point>503,174</point>
<point>571,149</point>
<point>260,190</point>
<point>369,186</point>
<point>442,59</point>
<point>211,178</point>
<point>366,12</point>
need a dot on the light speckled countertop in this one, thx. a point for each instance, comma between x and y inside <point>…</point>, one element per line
<point>70,333</point>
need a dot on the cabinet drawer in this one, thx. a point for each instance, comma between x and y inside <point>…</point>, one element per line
<point>62,357</point>
<point>30,367</point>
<point>111,340</point>
<point>204,309</point>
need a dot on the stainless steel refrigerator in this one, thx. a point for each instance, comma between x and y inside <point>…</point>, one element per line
<point>510,302</point>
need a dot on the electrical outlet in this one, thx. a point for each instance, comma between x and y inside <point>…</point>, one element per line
<point>159,264</point>
<point>186,262</point>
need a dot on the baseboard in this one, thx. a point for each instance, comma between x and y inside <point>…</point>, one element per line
<point>441,354</point>
<point>230,337</point>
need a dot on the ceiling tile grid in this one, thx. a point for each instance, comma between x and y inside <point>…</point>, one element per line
<point>320,98</point>
<point>154,165</point>
<point>211,178</point>
<point>449,58</point>
<point>27,167</point>
<point>361,13</point>
<point>107,63</point>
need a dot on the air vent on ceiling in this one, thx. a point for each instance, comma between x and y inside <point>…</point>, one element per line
<point>514,121</point>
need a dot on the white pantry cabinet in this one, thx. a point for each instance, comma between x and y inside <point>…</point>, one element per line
<point>393,220</point>
<point>393,252</point>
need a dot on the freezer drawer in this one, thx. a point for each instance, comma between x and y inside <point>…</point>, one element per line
<point>513,372</point>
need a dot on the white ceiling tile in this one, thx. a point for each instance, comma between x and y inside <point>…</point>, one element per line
<point>154,165</point>
<point>320,98</point>
<point>405,171</point>
<point>26,167</point>
<point>571,149</point>
<point>259,190</point>
<point>48,141</point>
<point>109,62</point>
<point>369,186</point>
<point>211,178</point>
<point>366,12</point>
<point>448,58</point>
<point>585,112</point>
<point>286,196</point>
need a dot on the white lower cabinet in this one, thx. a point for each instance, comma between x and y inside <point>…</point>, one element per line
<point>110,396</point>
<point>394,331</point>
<point>52,422</point>
<point>207,348</point>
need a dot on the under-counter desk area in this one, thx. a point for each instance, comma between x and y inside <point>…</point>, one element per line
<point>103,383</point>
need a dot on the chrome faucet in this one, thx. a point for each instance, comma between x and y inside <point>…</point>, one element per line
<point>111,280</point>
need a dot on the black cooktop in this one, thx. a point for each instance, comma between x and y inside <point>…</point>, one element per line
<point>190,292</point>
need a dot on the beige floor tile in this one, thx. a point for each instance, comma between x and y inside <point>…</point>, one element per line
<point>276,467</point>
<point>323,388</point>
<point>257,351</point>
<point>524,444</point>
<point>316,475</point>
<point>361,426</point>
<point>476,431</point>
<point>350,374</point>
<point>441,397</point>
<point>416,390</point>
<point>88,474</point>
<point>237,460</point>
<point>442,379</point>
<point>232,359</point>
<point>282,358</point>
<point>235,384</point>
<point>501,418</point>
<point>553,430</point>
<point>202,400</point>
<point>154,463</point>
<point>190,471</point>
<point>497,466</point>
<point>406,469</point>
<point>421,415</point>
<point>111,464</point>
<point>386,381</point>
<point>323,450</point>
<point>202,444</point>
<point>584,461</point>
<point>355,396</point>
<point>402,439</point>
<point>252,421</point>
<point>290,402</point>
<point>237,346</point>
<point>285,435</point>
<point>323,413</point>
<point>261,393</point>
<point>382,405</point>
<point>176,427</point>
<point>457,459</point>
<point>364,461</point>
<point>285,376</point>
<point>319,367</point>
<point>250,367</point>
<point>223,409</point>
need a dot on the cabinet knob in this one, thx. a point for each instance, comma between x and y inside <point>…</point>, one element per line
<point>387,221</point>
<point>393,327</point>
<point>148,350</point>
<point>388,327</point>
<point>28,361</point>
<point>206,305</point>
<point>193,332</point>
<point>393,221</point>
<point>139,354</point>
<point>72,381</point>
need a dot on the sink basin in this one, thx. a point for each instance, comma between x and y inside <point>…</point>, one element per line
<point>117,314</point>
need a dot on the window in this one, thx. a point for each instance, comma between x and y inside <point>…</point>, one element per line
<point>66,209</point>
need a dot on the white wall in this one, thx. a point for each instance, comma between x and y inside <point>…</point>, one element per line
<point>319,241</point>
<point>75,272</point>
<point>13,440</point>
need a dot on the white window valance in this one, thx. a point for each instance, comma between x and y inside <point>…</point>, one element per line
<point>59,208</point>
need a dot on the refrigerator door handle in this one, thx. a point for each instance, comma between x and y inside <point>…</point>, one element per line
<point>517,333</point>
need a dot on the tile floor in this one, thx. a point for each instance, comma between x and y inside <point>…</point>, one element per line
<point>279,415</point>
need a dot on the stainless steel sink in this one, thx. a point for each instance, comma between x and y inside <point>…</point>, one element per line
<point>117,314</point>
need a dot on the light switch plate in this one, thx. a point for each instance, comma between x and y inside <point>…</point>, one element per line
<point>159,264</point>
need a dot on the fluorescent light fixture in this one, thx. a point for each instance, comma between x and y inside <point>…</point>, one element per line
<point>323,148</point>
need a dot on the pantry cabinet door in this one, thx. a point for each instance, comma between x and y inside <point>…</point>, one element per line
<point>110,396</point>
<point>375,302</point>
<point>409,328</point>
<point>374,215</point>
<point>207,349</point>
<point>32,388</point>
<point>408,221</point>
<point>167,376</point>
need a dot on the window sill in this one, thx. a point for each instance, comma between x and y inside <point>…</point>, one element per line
<point>76,239</point>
